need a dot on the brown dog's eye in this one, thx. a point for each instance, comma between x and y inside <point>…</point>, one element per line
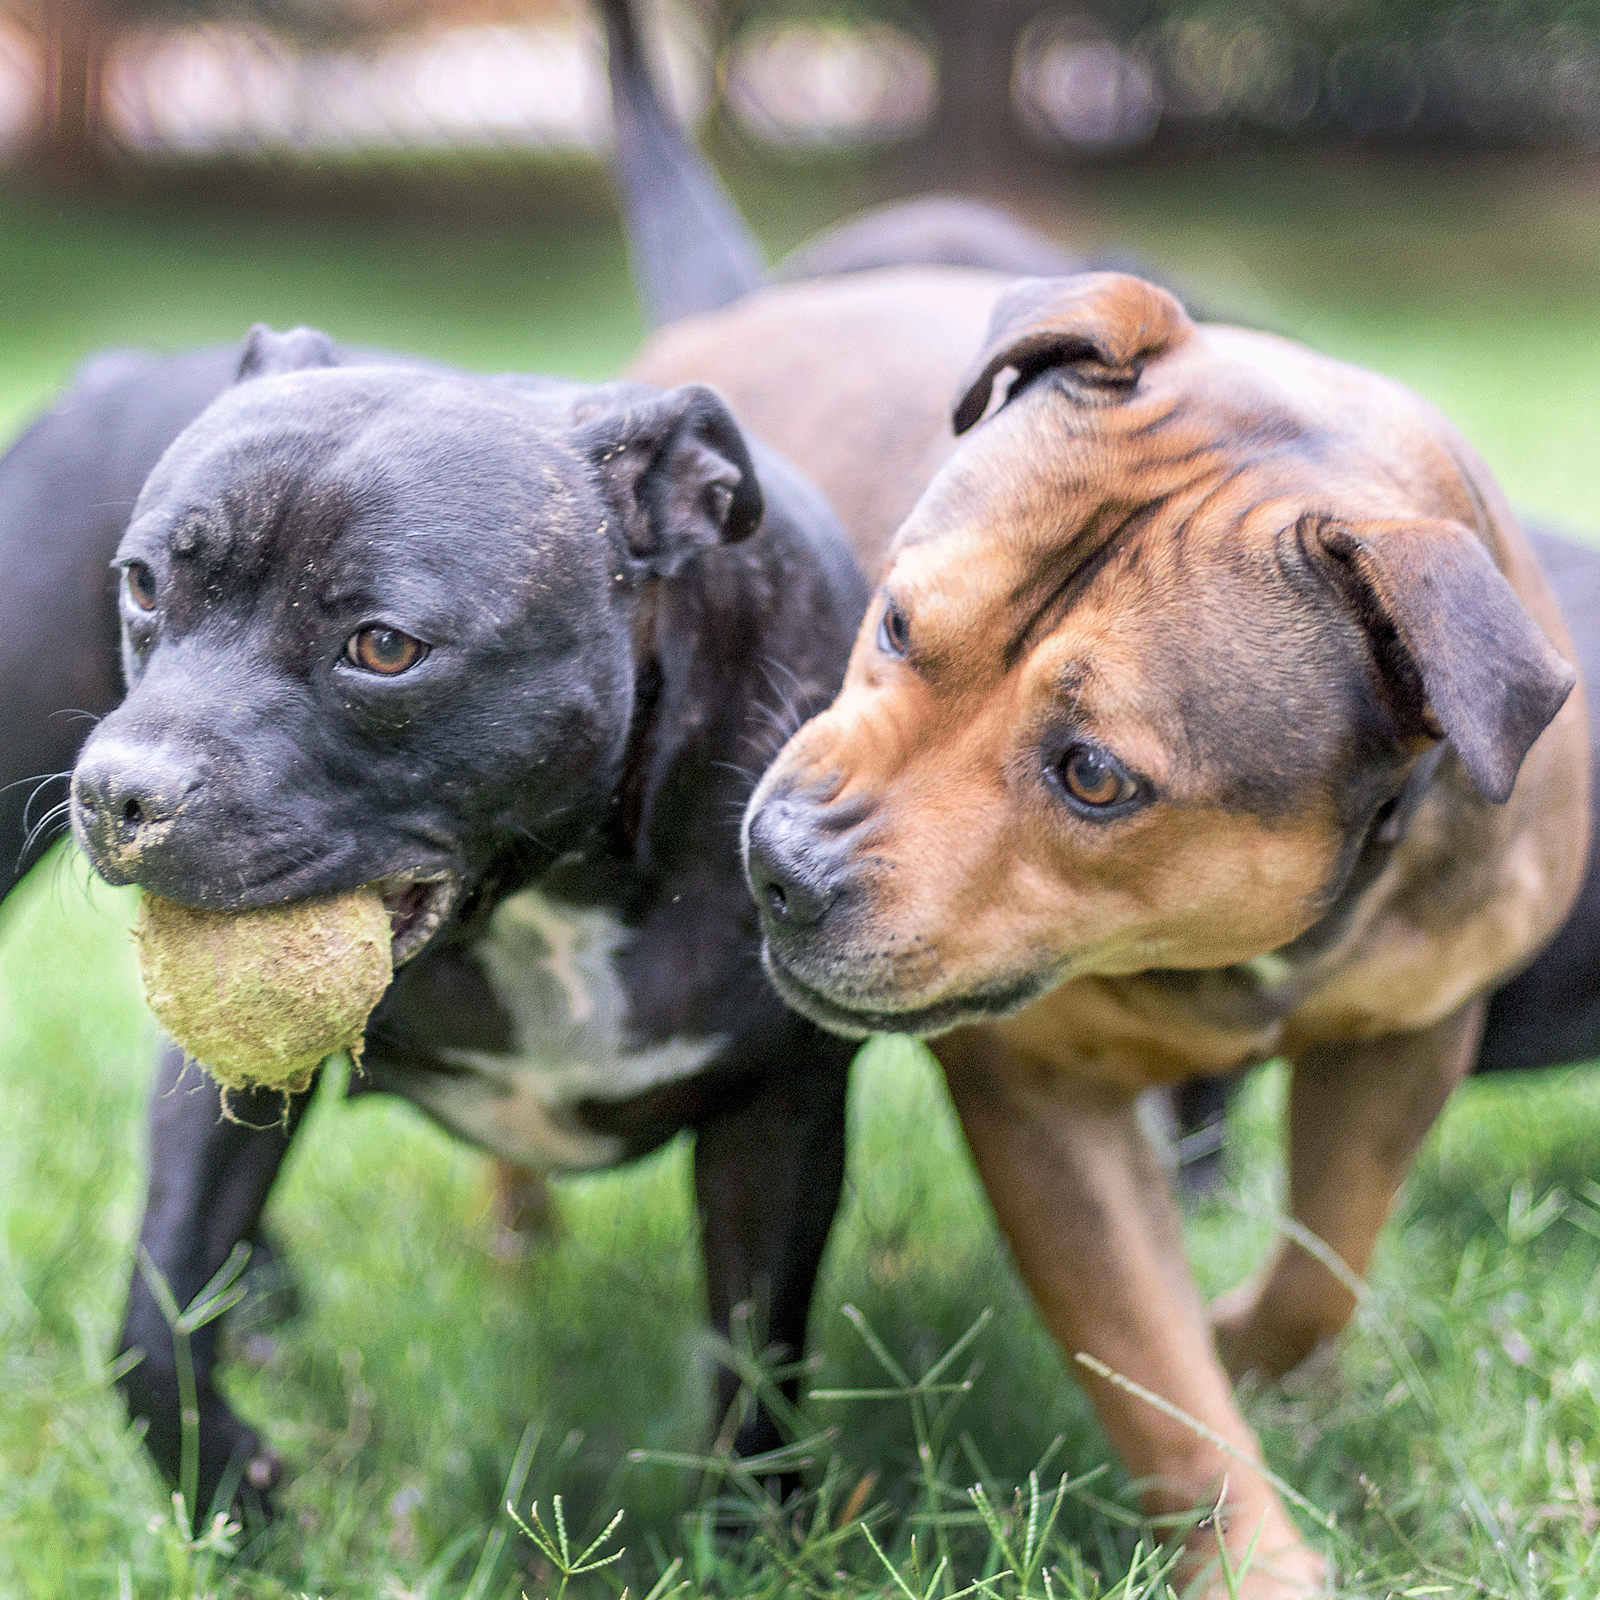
<point>140,583</point>
<point>894,631</point>
<point>386,651</point>
<point>1094,778</point>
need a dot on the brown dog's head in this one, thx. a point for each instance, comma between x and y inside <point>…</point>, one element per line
<point>1152,655</point>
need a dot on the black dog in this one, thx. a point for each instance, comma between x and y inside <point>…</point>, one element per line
<point>67,486</point>
<point>502,649</point>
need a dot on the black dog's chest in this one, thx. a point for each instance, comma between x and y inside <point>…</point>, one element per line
<point>504,1042</point>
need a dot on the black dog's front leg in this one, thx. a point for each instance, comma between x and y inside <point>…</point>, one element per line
<point>767,1178</point>
<point>209,1178</point>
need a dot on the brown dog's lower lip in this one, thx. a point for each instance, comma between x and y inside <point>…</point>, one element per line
<point>925,1022</point>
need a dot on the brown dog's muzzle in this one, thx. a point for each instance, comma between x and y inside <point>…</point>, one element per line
<point>812,871</point>
<point>803,861</point>
<point>820,867</point>
<point>795,878</point>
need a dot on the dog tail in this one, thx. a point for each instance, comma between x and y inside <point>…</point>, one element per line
<point>691,250</point>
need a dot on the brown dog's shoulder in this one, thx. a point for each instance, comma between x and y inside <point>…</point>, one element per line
<point>838,372</point>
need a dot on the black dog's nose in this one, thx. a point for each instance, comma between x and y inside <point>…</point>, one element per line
<point>791,887</point>
<point>122,793</point>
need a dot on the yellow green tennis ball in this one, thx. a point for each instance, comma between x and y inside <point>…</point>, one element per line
<point>259,998</point>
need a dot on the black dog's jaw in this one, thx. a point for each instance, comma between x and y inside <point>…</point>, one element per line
<point>507,650</point>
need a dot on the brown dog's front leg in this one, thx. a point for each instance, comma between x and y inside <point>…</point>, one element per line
<point>1357,1113</point>
<point>1089,1214</point>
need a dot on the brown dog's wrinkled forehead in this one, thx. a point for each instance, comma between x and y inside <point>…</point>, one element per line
<point>1097,406</point>
<point>1233,485</point>
<point>1145,390</point>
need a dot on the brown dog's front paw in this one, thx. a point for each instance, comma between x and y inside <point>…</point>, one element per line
<point>1235,1333</point>
<point>1266,1334</point>
<point>1249,1344</point>
<point>1273,1564</point>
<point>1292,1576</point>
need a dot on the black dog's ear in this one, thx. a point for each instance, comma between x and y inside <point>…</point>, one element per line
<point>266,352</point>
<point>678,471</point>
<point>1102,326</point>
<point>1458,655</point>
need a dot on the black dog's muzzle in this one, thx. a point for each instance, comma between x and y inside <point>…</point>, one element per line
<point>126,799</point>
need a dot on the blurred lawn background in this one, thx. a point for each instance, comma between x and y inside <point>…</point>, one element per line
<point>1455,1434</point>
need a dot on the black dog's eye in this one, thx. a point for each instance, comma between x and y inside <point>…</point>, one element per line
<point>894,631</point>
<point>140,582</point>
<point>386,651</point>
<point>1095,778</point>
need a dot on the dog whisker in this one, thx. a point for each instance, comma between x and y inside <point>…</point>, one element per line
<point>778,716</point>
<point>56,813</point>
<point>749,775</point>
<point>63,876</point>
<point>771,664</point>
<point>775,716</point>
<point>782,721</point>
<point>797,699</point>
<point>38,780</point>
<point>78,713</point>
<point>39,786</point>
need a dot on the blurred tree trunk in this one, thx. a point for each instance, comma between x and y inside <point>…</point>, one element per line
<point>69,144</point>
<point>975,138</point>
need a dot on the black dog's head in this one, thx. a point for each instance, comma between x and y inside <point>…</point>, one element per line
<point>378,622</point>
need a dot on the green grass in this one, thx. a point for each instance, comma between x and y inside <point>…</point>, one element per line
<point>1468,1397</point>
<point>1453,1436</point>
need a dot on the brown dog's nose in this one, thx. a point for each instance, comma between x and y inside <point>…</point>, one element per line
<point>121,794</point>
<point>792,886</point>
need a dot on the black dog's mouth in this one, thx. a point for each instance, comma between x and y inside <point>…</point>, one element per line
<point>417,910</point>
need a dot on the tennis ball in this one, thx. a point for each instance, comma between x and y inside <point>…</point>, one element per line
<point>261,997</point>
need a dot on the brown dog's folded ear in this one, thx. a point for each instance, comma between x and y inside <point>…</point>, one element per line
<point>679,472</point>
<point>1459,654</point>
<point>266,352</point>
<point>1103,326</point>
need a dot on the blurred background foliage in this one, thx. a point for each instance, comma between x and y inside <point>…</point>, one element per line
<point>968,88</point>
<point>1412,184</point>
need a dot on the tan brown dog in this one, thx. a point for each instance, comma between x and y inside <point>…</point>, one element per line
<point>1212,709</point>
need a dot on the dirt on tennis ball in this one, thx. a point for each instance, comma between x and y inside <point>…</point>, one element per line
<point>260,998</point>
